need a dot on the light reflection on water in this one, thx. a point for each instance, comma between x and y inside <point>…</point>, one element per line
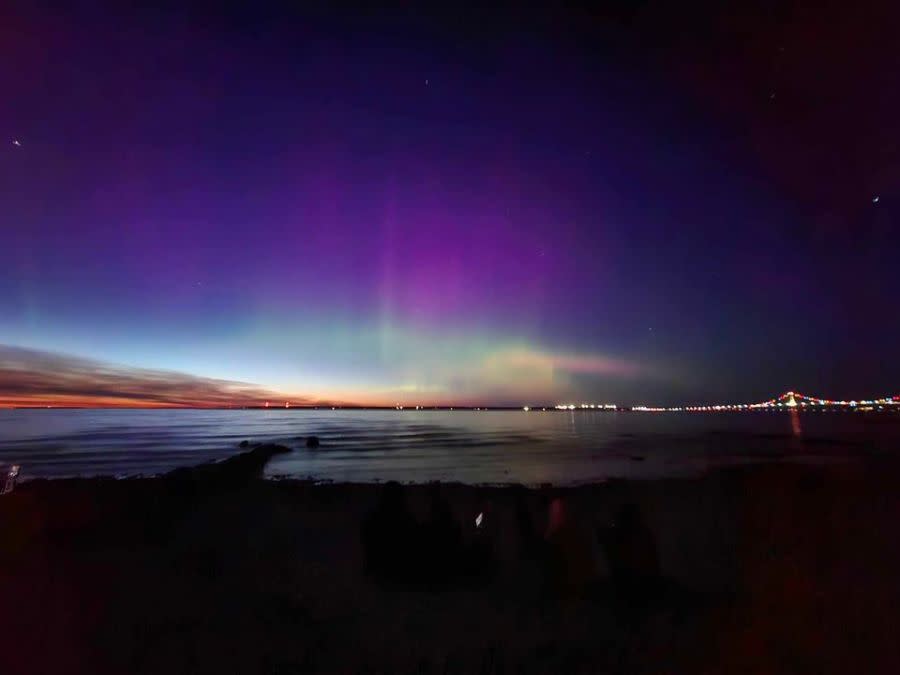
<point>468,446</point>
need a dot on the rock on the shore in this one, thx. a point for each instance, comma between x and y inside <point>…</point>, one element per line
<point>241,468</point>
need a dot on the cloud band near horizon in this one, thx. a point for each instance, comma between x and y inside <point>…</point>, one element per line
<point>39,378</point>
<point>30,378</point>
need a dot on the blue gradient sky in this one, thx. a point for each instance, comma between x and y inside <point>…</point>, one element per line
<point>492,208</point>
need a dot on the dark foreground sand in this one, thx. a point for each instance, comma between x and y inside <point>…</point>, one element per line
<point>786,568</point>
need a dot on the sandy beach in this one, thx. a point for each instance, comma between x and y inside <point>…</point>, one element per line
<point>774,568</point>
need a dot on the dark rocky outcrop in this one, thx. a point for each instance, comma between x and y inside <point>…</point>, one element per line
<point>232,472</point>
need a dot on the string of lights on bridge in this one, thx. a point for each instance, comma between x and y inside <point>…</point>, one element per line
<point>788,400</point>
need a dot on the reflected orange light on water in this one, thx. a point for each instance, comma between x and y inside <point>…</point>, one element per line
<point>796,429</point>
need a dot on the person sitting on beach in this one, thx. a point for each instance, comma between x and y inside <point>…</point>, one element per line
<point>389,537</point>
<point>442,540</point>
<point>569,557</point>
<point>529,538</point>
<point>630,550</point>
<point>480,559</point>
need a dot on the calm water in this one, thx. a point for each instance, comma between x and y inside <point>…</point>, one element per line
<point>469,446</point>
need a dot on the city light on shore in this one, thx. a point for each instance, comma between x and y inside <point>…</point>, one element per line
<point>788,400</point>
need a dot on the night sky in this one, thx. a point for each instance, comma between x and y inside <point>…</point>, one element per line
<point>640,203</point>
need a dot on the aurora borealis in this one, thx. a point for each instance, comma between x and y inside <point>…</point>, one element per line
<point>381,208</point>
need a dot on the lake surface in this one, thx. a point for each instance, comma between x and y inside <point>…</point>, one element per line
<point>416,446</point>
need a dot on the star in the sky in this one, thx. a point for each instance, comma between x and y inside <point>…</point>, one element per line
<point>875,199</point>
<point>17,143</point>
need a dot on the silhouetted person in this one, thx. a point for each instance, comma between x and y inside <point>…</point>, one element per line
<point>630,550</point>
<point>529,538</point>
<point>480,560</point>
<point>441,540</point>
<point>569,560</point>
<point>389,537</point>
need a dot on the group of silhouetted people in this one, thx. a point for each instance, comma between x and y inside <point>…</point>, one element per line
<point>399,550</point>
<point>437,552</point>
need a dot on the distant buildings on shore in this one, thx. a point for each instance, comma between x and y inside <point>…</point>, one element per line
<point>789,400</point>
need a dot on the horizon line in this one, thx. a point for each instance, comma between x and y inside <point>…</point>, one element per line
<point>789,399</point>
